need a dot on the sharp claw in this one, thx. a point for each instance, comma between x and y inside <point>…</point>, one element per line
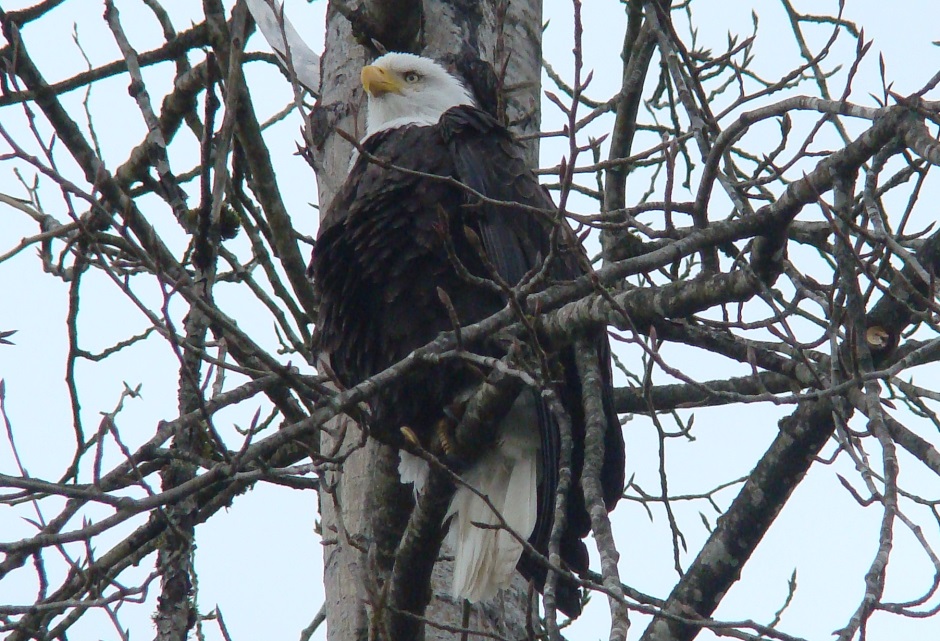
<point>443,429</point>
<point>410,435</point>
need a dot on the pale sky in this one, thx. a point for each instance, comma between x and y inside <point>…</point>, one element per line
<point>822,533</point>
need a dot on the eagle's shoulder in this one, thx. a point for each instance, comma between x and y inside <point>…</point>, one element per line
<point>464,119</point>
<point>390,163</point>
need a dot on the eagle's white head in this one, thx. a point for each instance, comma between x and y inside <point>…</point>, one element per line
<point>405,89</point>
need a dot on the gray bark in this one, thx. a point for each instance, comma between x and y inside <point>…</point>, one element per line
<point>361,485</point>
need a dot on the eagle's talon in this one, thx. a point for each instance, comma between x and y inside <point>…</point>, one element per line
<point>444,430</point>
<point>410,435</point>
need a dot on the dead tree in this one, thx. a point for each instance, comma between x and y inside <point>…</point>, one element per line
<point>774,222</point>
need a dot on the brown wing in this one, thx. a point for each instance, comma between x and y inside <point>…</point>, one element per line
<point>487,159</point>
<point>383,253</point>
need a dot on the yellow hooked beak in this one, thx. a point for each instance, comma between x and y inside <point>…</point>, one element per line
<point>378,82</point>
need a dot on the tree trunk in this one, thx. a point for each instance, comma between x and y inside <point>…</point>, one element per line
<point>366,487</point>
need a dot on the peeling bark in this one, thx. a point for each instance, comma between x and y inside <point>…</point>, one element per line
<point>448,28</point>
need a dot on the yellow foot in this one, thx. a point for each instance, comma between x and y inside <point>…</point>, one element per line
<point>410,435</point>
<point>444,429</point>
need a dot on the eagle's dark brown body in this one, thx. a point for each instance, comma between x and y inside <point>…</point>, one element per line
<point>390,241</point>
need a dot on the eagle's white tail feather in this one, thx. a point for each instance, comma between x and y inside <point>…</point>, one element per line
<point>412,469</point>
<point>485,558</point>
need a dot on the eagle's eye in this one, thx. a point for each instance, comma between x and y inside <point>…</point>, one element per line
<point>412,77</point>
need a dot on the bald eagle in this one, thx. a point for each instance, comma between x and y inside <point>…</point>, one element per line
<point>393,239</point>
